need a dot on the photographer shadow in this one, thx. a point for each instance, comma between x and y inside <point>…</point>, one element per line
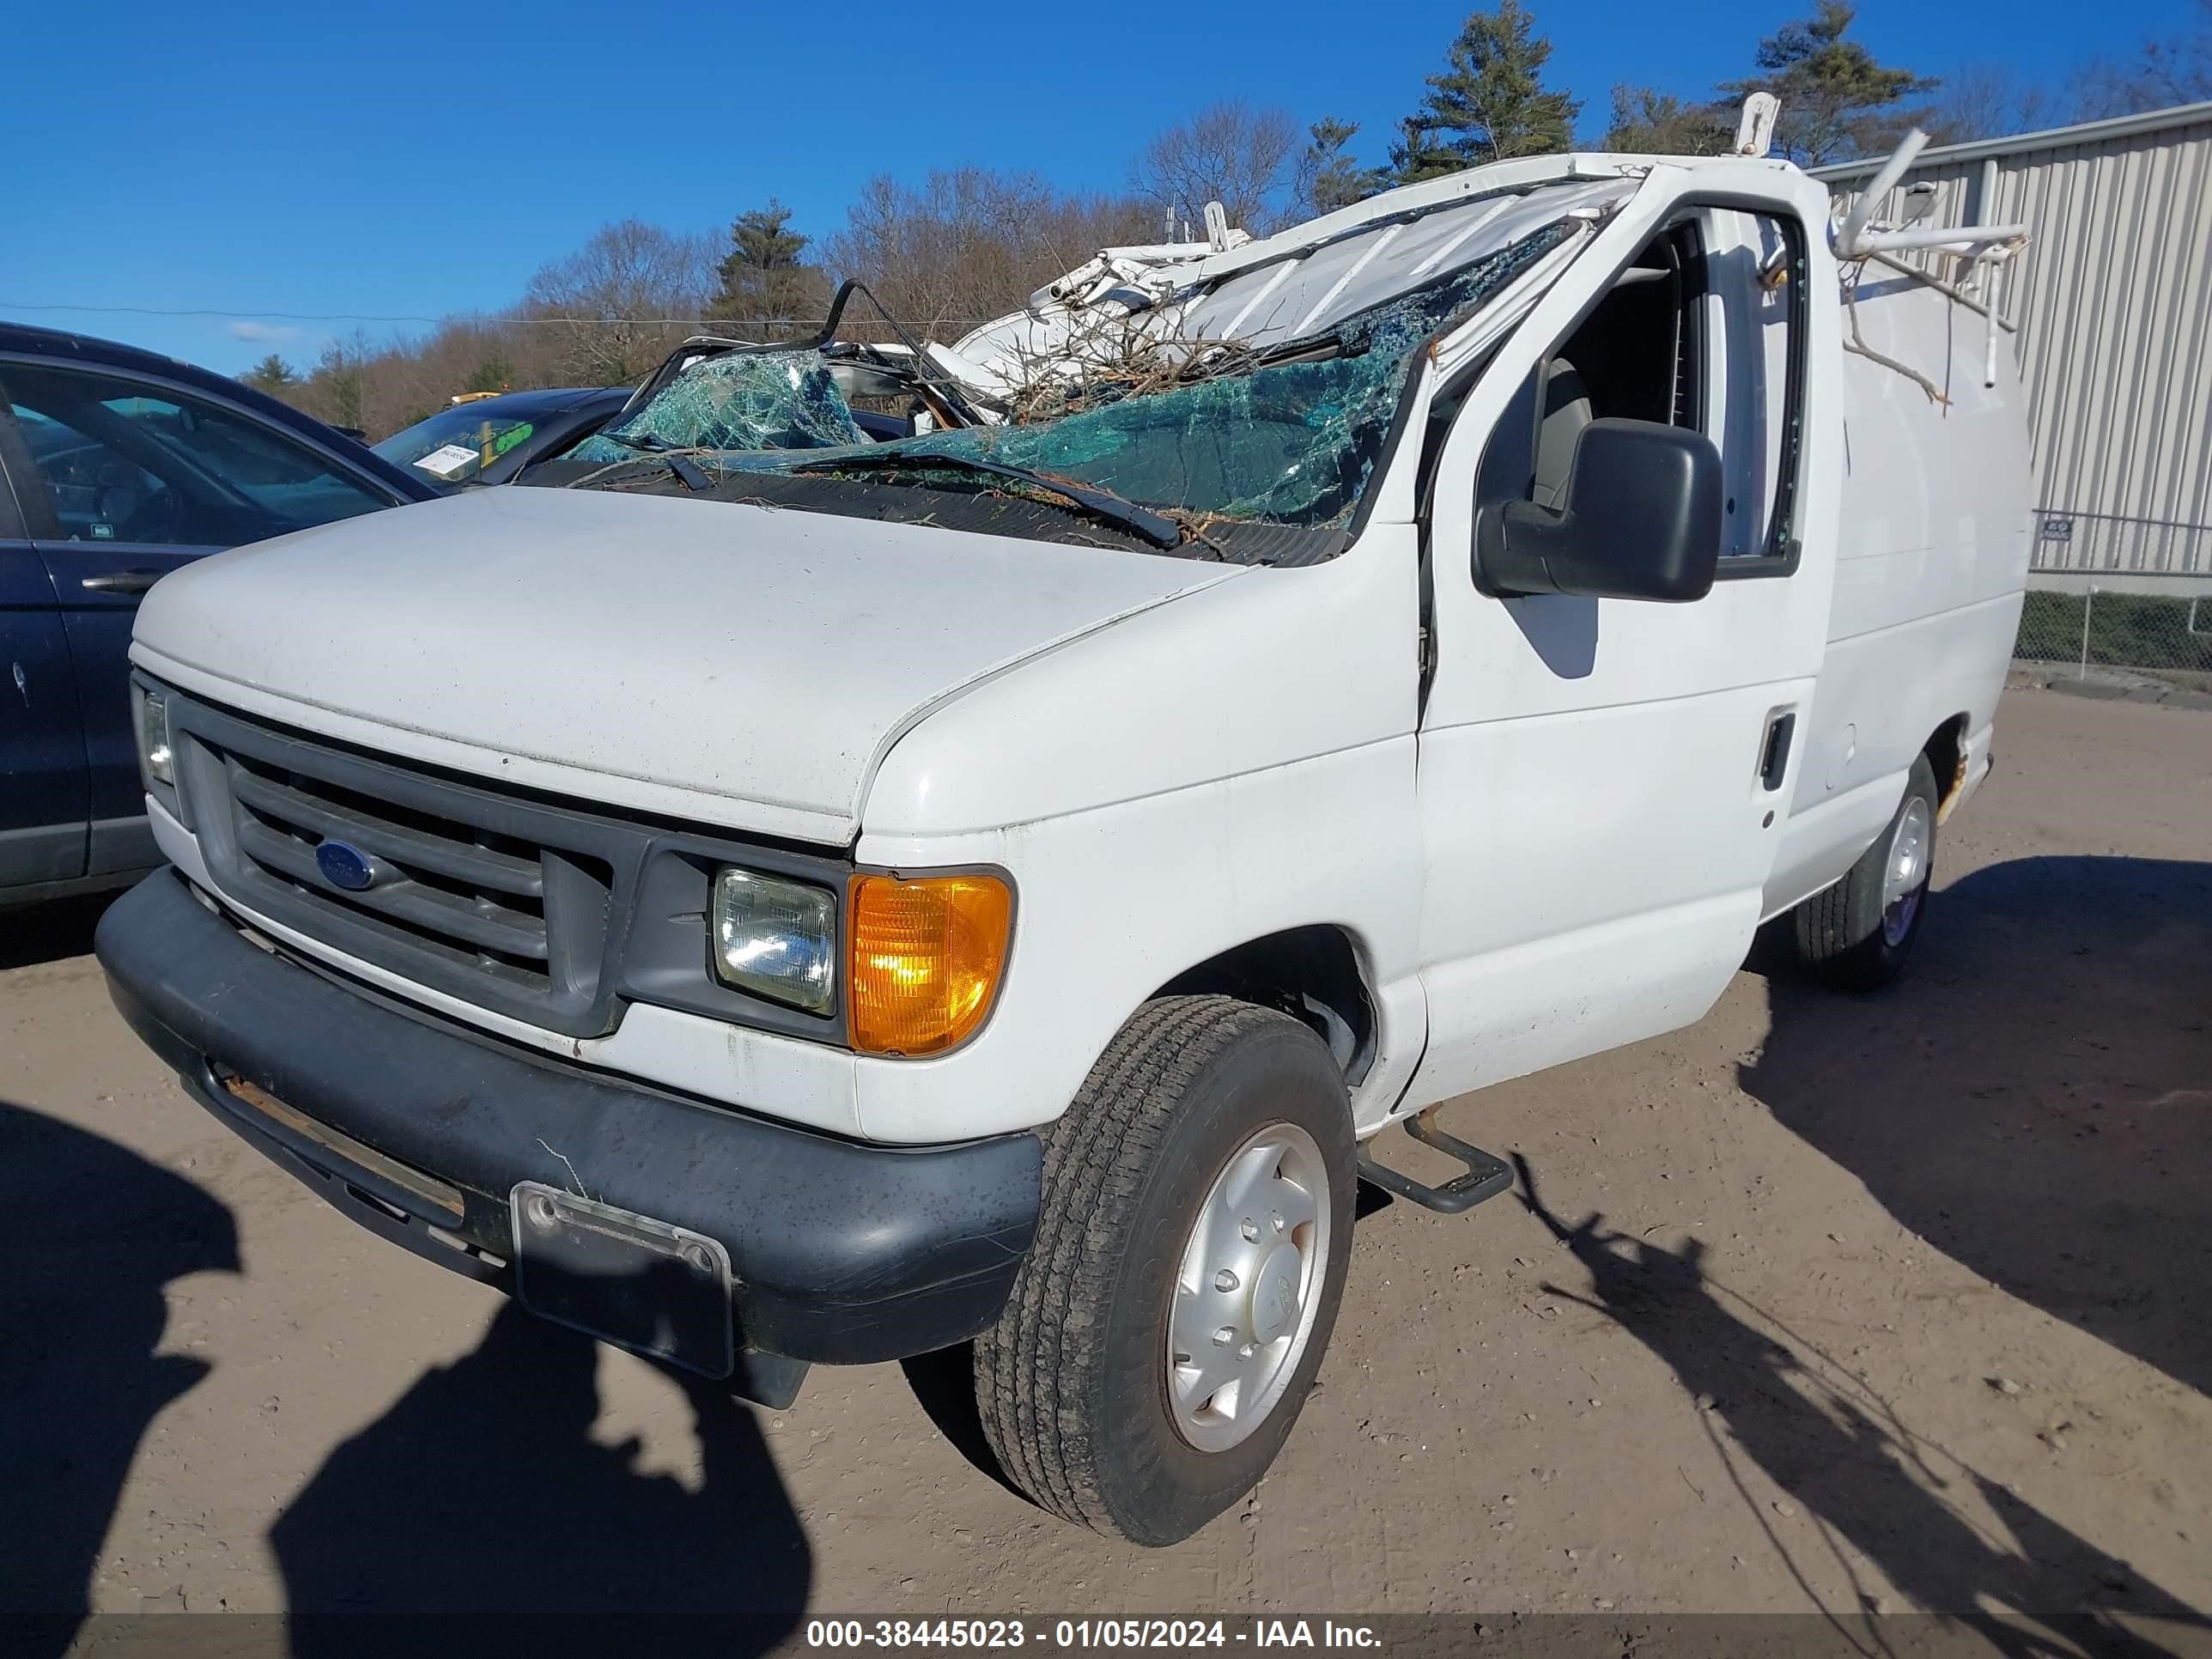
<point>1845,1457</point>
<point>92,1235</point>
<point>482,1496</point>
<point>2034,1097</point>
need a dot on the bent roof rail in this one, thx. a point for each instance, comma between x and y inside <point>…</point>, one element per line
<point>2084,132</point>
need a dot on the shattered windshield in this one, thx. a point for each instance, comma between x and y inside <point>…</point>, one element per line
<point>1211,430</point>
<point>1282,443</point>
<point>742,401</point>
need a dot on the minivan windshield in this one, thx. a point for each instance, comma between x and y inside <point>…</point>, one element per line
<point>1288,434</point>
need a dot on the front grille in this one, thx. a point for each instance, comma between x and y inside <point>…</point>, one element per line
<point>502,901</point>
<point>550,913</point>
<point>477,897</point>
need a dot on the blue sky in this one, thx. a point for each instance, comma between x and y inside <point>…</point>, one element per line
<point>419,159</point>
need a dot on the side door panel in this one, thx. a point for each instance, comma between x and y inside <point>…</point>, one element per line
<point>1599,812</point>
<point>43,802</point>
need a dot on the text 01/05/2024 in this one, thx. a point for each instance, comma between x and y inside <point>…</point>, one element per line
<point>1086,1633</point>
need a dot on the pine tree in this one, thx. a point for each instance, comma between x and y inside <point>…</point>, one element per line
<point>763,275</point>
<point>1646,122</point>
<point>1491,104</point>
<point>1417,153</point>
<point>273,375</point>
<point>493,373</point>
<point>1328,176</point>
<point>1837,102</point>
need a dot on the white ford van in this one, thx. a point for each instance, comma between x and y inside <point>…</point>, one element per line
<point>780,900</point>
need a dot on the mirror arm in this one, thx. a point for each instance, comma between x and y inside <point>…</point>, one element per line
<point>1513,541</point>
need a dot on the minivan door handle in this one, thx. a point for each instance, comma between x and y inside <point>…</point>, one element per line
<point>122,581</point>
<point>1774,751</point>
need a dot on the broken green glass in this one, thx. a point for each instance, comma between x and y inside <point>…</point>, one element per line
<point>1293,443</point>
<point>740,401</point>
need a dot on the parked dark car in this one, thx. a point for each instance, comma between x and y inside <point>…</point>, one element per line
<point>487,440</point>
<point>117,466</point>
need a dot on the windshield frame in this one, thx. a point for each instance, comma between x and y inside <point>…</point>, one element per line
<point>1366,449</point>
<point>702,348</point>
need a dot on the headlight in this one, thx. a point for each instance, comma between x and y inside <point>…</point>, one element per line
<point>776,938</point>
<point>926,957</point>
<point>155,759</point>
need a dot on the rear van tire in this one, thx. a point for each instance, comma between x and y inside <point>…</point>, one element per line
<point>1189,1263</point>
<point>1858,934</point>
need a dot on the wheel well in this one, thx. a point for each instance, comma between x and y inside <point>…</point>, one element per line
<point>1311,973</point>
<point>1946,758</point>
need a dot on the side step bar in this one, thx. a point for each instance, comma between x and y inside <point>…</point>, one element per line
<point>1487,1175</point>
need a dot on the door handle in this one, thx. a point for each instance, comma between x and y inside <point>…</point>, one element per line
<point>122,581</point>
<point>1774,750</point>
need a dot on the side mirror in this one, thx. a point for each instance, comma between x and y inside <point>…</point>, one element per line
<point>1643,518</point>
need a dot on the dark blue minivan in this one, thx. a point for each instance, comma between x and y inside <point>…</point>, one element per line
<point>117,466</point>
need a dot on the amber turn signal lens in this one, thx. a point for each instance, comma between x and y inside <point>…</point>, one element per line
<point>924,957</point>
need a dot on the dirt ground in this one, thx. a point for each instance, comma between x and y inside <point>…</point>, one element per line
<point>1832,1304</point>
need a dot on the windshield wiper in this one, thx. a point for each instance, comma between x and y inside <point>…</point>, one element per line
<point>688,473</point>
<point>1141,522</point>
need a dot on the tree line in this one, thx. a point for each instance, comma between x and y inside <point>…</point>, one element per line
<point>970,244</point>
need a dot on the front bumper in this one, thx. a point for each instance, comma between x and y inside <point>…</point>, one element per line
<point>841,1252</point>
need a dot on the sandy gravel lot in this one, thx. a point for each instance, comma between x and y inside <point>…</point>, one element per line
<point>1851,1306</point>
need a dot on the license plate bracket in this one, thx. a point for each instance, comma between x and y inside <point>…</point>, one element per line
<point>644,1285</point>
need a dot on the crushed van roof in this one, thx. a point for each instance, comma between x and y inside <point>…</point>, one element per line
<point>1287,287</point>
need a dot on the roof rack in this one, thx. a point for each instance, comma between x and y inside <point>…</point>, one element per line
<point>1858,236</point>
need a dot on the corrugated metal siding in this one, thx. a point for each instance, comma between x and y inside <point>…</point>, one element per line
<point>2113,301</point>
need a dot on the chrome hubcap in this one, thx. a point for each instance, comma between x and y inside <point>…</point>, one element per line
<point>1905,878</point>
<point>1248,1288</point>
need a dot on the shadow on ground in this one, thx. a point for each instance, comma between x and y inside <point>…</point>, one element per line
<point>2034,1098</point>
<point>52,930</point>
<point>90,1234</point>
<point>1776,1403</point>
<point>482,1491</point>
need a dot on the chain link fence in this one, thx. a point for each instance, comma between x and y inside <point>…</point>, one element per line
<point>2075,622</point>
<point>2161,636</point>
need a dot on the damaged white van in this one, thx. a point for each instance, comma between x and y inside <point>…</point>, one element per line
<point>827,903</point>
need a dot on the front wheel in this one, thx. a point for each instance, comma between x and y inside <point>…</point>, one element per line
<point>1858,933</point>
<point>1189,1259</point>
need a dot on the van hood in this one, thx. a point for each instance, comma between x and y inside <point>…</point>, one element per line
<point>730,663</point>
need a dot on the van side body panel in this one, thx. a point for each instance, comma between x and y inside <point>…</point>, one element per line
<point>1931,557</point>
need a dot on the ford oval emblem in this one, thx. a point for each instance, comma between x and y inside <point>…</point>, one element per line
<point>345,866</point>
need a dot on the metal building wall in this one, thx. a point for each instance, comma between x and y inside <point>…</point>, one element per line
<point>2112,303</point>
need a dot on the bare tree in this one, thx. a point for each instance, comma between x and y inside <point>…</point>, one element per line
<point>971,245</point>
<point>1229,153</point>
<point>619,293</point>
<point>2175,70</point>
<point>1989,101</point>
<point>336,390</point>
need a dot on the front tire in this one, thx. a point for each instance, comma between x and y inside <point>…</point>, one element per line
<point>1189,1263</point>
<point>1858,934</point>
